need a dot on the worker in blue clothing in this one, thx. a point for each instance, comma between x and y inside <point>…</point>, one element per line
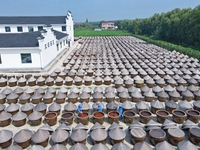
<point>100,107</point>
<point>120,110</point>
<point>79,109</point>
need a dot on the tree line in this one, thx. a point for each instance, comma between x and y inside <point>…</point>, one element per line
<point>179,26</point>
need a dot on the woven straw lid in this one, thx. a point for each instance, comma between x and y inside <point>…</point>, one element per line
<point>2,80</point>
<point>72,95</point>
<point>85,106</point>
<point>31,79</point>
<point>120,146</point>
<point>24,96</point>
<point>2,107</point>
<point>142,105</point>
<point>87,90</point>
<point>19,116</point>
<point>164,145</point>
<point>99,134</point>
<point>157,89</point>
<point>75,90</point>
<point>40,90</point>
<point>18,90</point>
<point>99,146</point>
<point>5,135</point>
<point>157,104</point>
<point>63,90</point>
<point>124,94</point>
<point>187,93</point>
<point>40,106</point>
<point>78,146</point>
<point>12,96</point>
<point>47,128</point>
<point>174,93</point>
<point>5,116</point>
<point>97,126</point>
<point>109,89</point>
<point>54,107</point>
<point>29,90</point>
<point>163,94</point>
<point>97,95</point>
<point>168,122</point>
<point>80,126</point>
<point>23,136</point>
<point>14,147</point>
<point>2,96</point>
<point>11,80</point>
<point>176,132</point>
<point>152,123</point>
<point>117,134</point>
<point>84,95</point>
<point>110,95</point>
<point>49,79</point>
<point>58,147</point>
<point>135,124</point>
<point>70,107</point>
<point>171,104</point>
<point>184,105</point>
<point>12,107</point>
<point>186,145</point>
<point>40,79</point>
<point>142,146</point>
<point>27,107</point>
<point>61,95</point>
<point>127,105</point>
<point>36,147</point>
<point>7,91</point>
<point>40,136</point>
<point>149,93</point>
<point>59,135</point>
<point>79,135</point>
<point>98,89</point>
<point>112,105</point>
<point>35,115</point>
<point>121,89</point>
<point>48,95</point>
<point>63,126</point>
<point>145,88</point>
<point>136,94</point>
<point>59,79</point>
<point>138,132</point>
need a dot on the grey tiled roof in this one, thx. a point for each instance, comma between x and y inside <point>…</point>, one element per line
<point>26,39</point>
<point>33,19</point>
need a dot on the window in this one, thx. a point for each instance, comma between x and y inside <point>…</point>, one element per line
<point>0,59</point>
<point>7,29</point>
<point>60,44</point>
<point>57,47</point>
<point>30,28</point>
<point>40,28</point>
<point>19,29</point>
<point>64,43</point>
<point>63,28</point>
<point>26,58</point>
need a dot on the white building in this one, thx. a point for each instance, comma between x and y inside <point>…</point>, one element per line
<point>29,43</point>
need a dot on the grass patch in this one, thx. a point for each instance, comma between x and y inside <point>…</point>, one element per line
<point>100,33</point>
<point>170,46</point>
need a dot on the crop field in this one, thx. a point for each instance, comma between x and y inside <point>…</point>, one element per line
<point>100,33</point>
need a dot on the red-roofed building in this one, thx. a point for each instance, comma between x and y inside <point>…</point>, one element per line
<point>107,25</point>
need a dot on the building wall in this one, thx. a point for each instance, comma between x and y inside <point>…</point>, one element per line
<point>11,58</point>
<point>49,53</point>
<point>70,27</point>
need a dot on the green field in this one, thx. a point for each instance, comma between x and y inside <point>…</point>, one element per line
<point>100,33</point>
